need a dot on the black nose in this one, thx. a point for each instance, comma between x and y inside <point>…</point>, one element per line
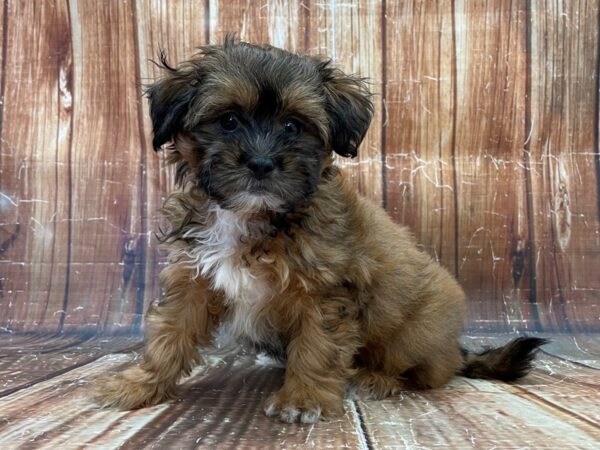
<point>261,166</point>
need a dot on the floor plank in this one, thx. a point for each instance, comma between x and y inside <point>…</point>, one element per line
<point>15,344</point>
<point>220,405</point>
<point>554,407</point>
<point>564,387</point>
<point>220,408</point>
<point>223,409</point>
<point>566,376</point>
<point>580,348</point>
<point>58,412</point>
<point>35,361</point>
<point>480,419</point>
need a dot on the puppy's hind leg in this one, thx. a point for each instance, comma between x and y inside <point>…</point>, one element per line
<point>174,329</point>
<point>375,385</point>
<point>436,370</point>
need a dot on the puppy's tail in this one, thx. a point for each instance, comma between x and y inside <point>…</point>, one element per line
<point>507,363</point>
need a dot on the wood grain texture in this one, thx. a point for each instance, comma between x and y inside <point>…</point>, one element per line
<point>33,364</point>
<point>220,405</point>
<point>490,189</point>
<point>563,106</point>
<point>17,344</point>
<point>35,164</point>
<point>419,136</point>
<point>53,399</point>
<point>566,374</point>
<point>220,408</point>
<point>486,115</point>
<point>554,407</point>
<point>574,389</point>
<point>108,236</point>
<point>484,417</point>
<point>248,19</point>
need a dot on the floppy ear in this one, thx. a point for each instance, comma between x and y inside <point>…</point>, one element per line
<point>349,108</point>
<point>170,98</point>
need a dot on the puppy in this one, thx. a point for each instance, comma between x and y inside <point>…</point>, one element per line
<point>267,234</point>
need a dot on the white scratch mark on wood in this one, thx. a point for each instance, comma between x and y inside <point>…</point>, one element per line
<point>362,441</point>
<point>530,132</point>
<point>10,200</point>
<point>464,258</point>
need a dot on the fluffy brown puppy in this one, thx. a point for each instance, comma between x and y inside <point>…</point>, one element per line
<point>267,235</point>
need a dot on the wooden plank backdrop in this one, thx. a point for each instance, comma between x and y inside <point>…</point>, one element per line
<point>484,142</point>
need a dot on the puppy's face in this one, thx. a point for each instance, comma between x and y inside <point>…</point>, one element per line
<point>255,126</point>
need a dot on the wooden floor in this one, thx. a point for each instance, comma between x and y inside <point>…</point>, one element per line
<point>43,404</point>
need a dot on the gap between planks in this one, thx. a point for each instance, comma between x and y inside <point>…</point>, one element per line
<point>243,372</point>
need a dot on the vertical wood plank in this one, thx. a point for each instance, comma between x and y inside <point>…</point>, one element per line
<point>107,264</point>
<point>492,232</point>
<point>351,34</point>
<point>276,22</point>
<point>419,135</point>
<point>178,28</point>
<point>563,73</point>
<point>249,20</point>
<point>289,25</point>
<point>3,49</point>
<point>35,174</point>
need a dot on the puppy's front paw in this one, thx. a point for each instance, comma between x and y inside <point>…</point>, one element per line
<point>129,390</point>
<point>298,406</point>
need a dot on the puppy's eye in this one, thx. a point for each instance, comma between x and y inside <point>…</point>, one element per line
<point>229,121</point>
<point>292,127</point>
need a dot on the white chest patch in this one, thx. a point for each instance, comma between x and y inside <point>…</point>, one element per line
<point>216,257</point>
